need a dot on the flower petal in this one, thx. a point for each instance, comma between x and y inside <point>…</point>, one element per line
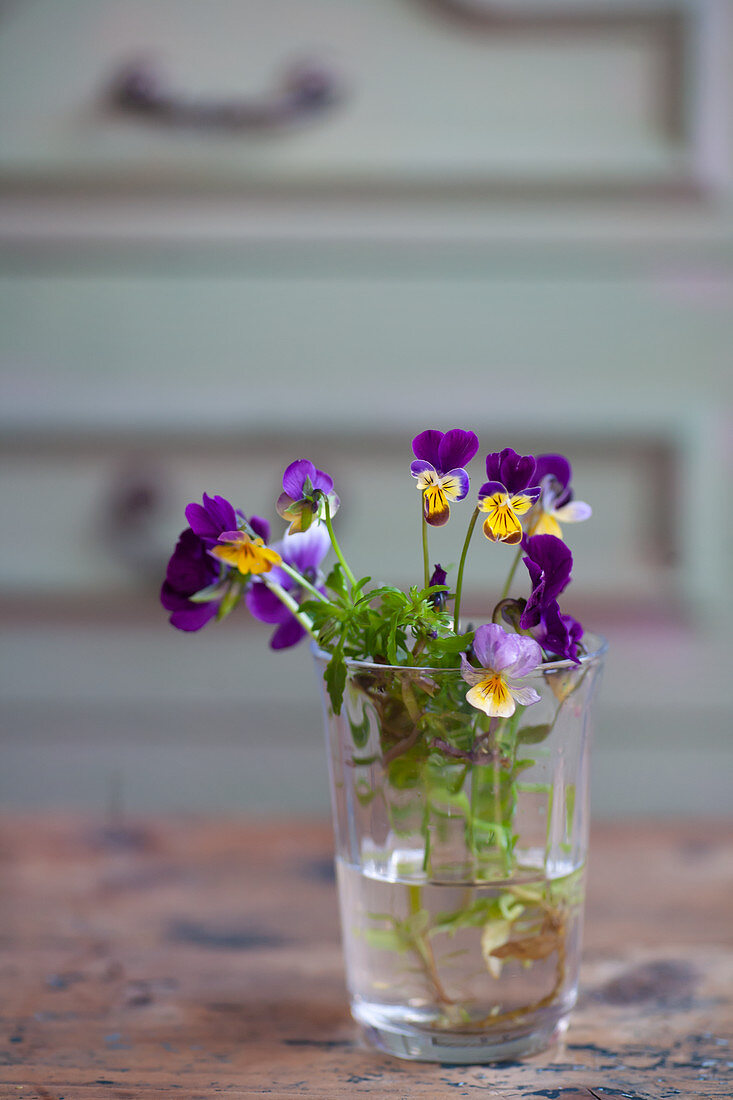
<point>470,674</point>
<point>456,449</point>
<point>549,563</point>
<point>573,512</point>
<point>527,656</point>
<point>322,482</point>
<point>512,470</point>
<point>522,502</point>
<point>210,519</point>
<point>194,617</point>
<point>260,527</point>
<point>420,466</point>
<point>295,476</point>
<point>525,696</point>
<point>437,508</point>
<point>490,489</point>
<point>264,604</point>
<point>494,646</point>
<point>501,525</point>
<point>426,445</point>
<point>545,524</point>
<point>287,634</point>
<point>554,466</point>
<point>305,550</point>
<point>493,697</point>
<point>455,484</point>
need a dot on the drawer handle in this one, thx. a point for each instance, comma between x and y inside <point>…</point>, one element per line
<point>305,90</point>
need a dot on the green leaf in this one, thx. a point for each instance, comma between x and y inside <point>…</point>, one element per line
<point>211,592</point>
<point>385,939</point>
<point>336,581</point>
<point>335,677</point>
<point>532,735</point>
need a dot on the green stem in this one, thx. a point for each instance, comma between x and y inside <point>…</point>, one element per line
<point>291,604</point>
<point>423,948</point>
<point>334,543</point>
<point>510,578</point>
<point>425,556</point>
<point>459,581</point>
<point>302,581</point>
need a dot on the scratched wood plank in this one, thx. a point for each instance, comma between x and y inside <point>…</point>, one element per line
<point>197,958</point>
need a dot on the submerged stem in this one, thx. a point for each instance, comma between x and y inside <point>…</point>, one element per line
<point>424,950</point>
<point>459,580</point>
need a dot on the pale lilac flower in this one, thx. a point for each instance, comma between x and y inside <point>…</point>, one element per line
<point>506,658</point>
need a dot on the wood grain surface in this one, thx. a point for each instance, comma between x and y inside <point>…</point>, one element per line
<point>191,959</point>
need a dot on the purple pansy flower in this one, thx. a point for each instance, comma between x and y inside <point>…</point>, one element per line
<point>304,551</point>
<point>549,563</point>
<point>304,490</point>
<point>507,495</point>
<point>505,658</point>
<point>438,599</point>
<point>192,566</point>
<point>190,569</point>
<point>556,504</point>
<point>216,515</point>
<point>558,634</point>
<point>439,464</point>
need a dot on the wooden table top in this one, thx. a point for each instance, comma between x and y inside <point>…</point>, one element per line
<point>196,958</point>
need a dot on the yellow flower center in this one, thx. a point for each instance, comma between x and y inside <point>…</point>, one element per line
<point>248,555</point>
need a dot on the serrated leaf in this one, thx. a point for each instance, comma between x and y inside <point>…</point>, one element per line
<point>335,677</point>
<point>336,581</point>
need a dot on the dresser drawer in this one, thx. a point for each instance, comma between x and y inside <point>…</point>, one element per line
<point>425,94</point>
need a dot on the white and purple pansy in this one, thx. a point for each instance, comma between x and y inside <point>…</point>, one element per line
<point>507,495</point>
<point>439,468</point>
<point>304,552</point>
<point>505,658</point>
<point>556,504</point>
<point>305,489</point>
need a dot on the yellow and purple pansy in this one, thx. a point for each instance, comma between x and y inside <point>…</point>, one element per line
<point>439,468</point>
<point>507,495</point>
<point>246,553</point>
<point>304,551</point>
<point>505,658</point>
<point>555,504</point>
<point>192,567</point>
<point>305,489</point>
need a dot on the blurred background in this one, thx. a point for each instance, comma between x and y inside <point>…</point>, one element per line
<point>240,232</point>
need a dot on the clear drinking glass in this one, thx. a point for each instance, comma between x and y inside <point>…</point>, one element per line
<point>461,846</point>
